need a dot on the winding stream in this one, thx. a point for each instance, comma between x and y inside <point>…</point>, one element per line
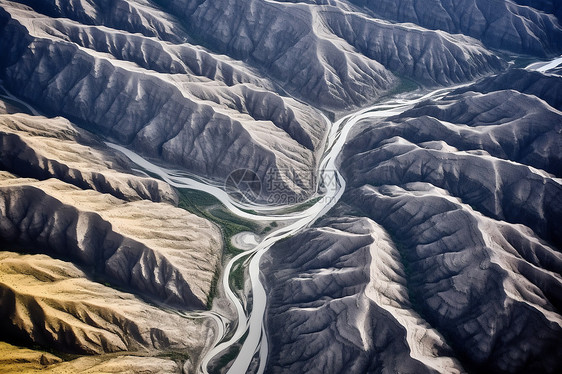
<point>250,320</point>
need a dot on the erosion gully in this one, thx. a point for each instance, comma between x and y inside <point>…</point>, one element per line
<point>249,320</point>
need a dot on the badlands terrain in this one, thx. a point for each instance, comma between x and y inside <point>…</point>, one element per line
<point>437,249</point>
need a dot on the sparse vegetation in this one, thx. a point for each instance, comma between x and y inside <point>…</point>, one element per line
<point>270,227</point>
<point>405,85</point>
<point>303,206</point>
<point>228,356</point>
<point>226,359</point>
<point>237,276</point>
<point>175,356</point>
<point>213,289</point>
<point>207,206</point>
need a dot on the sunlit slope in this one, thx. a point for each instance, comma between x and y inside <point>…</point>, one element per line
<point>455,264</point>
<point>209,87</point>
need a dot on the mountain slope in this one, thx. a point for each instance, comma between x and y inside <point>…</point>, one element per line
<point>102,241</point>
<point>53,304</point>
<point>442,256</point>
<point>445,253</point>
<point>133,72</point>
<point>531,28</point>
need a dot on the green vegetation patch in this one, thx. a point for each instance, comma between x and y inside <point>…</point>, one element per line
<point>213,289</point>
<point>229,356</point>
<point>298,208</point>
<point>177,356</point>
<point>405,85</point>
<point>207,206</point>
<point>237,276</point>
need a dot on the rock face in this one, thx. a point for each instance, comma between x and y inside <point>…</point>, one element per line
<point>104,244</point>
<point>15,360</point>
<point>132,71</point>
<point>338,302</point>
<point>462,198</point>
<point>492,288</point>
<point>318,37</point>
<point>54,304</point>
<point>444,254</point>
<point>179,112</point>
<point>125,242</point>
<point>452,259</point>
<point>521,26</point>
<point>432,286</point>
<point>493,151</point>
<point>42,148</point>
<point>547,87</point>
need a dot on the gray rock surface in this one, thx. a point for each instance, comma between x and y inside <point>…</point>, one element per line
<point>425,284</point>
<point>520,26</point>
<point>210,126</point>
<point>132,71</point>
<point>338,303</point>
<point>125,243</point>
<point>444,255</point>
<point>457,238</point>
<point>41,148</point>
<point>547,87</point>
<point>484,149</point>
<point>491,288</point>
<point>320,27</point>
<point>53,304</point>
<point>467,192</point>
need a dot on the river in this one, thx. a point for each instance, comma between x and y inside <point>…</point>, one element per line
<point>250,320</point>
